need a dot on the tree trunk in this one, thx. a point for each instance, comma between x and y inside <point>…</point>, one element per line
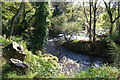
<point>118,15</point>
<point>111,29</point>
<point>14,18</point>
<point>109,10</point>
<point>94,27</point>
<point>90,22</point>
<point>86,19</point>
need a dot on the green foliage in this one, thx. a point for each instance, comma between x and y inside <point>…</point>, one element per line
<point>68,22</point>
<point>19,40</point>
<point>9,9</point>
<point>115,51</point>
<point>25,20</point>
<point>104,23</point>
<point>59,8</point>
<point>57,24</point>
<point>70,17</point>
<point>44,66</point>
<point>100,48</point>
<point>115,48</point>
<point>115,36</point>
<point>71,29</point>
<point>4,41</point>
<point>41,24</point>
<point>104,71</point>
<point>99,72</point>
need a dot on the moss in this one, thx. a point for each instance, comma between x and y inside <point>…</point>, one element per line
<point>88,47</point>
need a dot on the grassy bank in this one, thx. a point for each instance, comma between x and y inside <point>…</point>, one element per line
<point>46,66</point>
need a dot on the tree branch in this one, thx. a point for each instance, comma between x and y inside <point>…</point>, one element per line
<point>108,10</point>
<point>31,18</point>
<point>25,15</point>
<point>14,18</point>
<point>116,19</point>
<point>85,13</point>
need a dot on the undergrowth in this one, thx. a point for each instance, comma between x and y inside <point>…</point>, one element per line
<point>46,66</point>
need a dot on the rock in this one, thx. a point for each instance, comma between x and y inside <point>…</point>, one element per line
<point>18,65</point>
<point>14,50</point>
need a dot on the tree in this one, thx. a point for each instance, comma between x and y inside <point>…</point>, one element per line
<point>90,21</point>
<point>110,13</point>
<point>59,8</point>
<point>90,18</point>
<point>22,22</point>
<point>70,22</point>
<point>118,15</point>
<point>9,9</point>
<point>40,26</point>
<point>14,18</point>
<point>94,25</point>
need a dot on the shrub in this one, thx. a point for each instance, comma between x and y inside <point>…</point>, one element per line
<point>39,66</point>
<point>44,66</point>
<point>114,43</point>
<point>41,23</point>
<point>4,41</point>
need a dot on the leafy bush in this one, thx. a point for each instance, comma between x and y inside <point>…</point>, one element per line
<point>4,41</point>
<point>71,29</point>
<point>62,25</point>
<point>40,24</point>
<point>19,40</point>
<point>44,66</point>
<point>115,48</point>
<point>39,67</point>
<point>115,51</point>
<point>115,37</point>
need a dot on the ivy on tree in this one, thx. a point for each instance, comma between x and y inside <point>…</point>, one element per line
<point>40,25</point>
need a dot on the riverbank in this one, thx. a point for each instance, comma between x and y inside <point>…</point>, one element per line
<point>55,49</point>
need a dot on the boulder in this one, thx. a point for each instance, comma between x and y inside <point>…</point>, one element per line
<point>18,65</point>
<point>14,50</point>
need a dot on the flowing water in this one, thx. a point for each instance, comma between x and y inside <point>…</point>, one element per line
<point>65,55</point>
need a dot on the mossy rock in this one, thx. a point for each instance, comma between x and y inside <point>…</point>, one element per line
<point>100,48</point>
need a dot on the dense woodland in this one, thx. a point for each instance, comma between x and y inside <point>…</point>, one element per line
<point>89,28</point>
